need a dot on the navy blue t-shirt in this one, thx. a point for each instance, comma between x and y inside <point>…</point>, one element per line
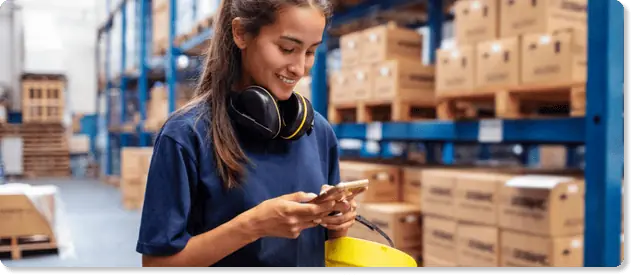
<point>185,196</point>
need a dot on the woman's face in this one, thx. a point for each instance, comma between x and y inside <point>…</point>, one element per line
<point>283,52</point>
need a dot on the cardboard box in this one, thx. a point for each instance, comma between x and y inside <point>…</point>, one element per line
<point>477,197</point>
<point>523,250</point>
<point>558,57</point>
<point>400,221</point>
<point>361,83</point>
<point>403,79</point>
<point>498,63</point>
<point>384,180</point>
<point>429,261</point>
<point>439,239</point>
<point>390,42</point>
<point>350,49</point>
<point>476,20</point>
<point>412,186</point>
<point>543,205</point>
<point>552,156</point>
<point>455,69</point>
<point>519,17</point>
<point>478,245</point>
<point>438,192</point>
<point>340,87</point>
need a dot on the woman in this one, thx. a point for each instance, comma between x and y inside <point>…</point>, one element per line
<point>226,186</point>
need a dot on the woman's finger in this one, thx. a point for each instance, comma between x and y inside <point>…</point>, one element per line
<point>345,225</point>
<point>337,220</point>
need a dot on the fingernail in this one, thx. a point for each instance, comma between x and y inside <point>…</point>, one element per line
<point>311,196</point>
<point>318,220</point>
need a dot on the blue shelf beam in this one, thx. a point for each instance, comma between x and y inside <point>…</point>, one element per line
<point>542,131</point>
<point>195,42</point>
<point>604,133</point>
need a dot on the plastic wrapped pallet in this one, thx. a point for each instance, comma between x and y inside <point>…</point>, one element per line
<point>34,211</point>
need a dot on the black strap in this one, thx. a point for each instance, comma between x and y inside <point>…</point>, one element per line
<point>374,227</point>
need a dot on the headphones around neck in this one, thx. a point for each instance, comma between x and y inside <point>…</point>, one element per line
<point>255,111</point>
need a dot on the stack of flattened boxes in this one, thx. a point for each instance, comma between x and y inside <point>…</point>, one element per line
<point>135,162</point>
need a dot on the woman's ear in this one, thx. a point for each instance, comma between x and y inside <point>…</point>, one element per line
<point>239,33</point>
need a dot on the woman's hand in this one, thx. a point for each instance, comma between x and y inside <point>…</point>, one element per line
<point>287,216</point>
<point>339,224</point>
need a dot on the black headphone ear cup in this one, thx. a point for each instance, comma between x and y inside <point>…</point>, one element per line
<point>256,112</point>
<point>246,123</point>
<point>299,118</point>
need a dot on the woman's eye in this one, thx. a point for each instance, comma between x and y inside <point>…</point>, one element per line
<point>284,50</point>
<point>310,53</point>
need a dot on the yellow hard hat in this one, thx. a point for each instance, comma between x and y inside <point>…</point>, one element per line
<point>354,252</point>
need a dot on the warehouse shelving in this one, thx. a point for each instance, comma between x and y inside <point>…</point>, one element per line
<point>600,131</point>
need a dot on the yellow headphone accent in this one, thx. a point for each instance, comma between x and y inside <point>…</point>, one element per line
<point>302,121</point>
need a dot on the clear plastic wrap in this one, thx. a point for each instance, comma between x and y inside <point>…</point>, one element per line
<point>47,201</point>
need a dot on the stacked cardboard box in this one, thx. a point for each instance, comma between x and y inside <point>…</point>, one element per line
<point>474,217</point>
<point>384,205</point>
<point>135,163</point>
<point>158,105</point>
<point>506,43</point>
<point>382,63</point>
<point>160,25</point>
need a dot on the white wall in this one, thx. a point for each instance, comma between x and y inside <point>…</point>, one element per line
<point>11,55</point>
<point>60,37</point>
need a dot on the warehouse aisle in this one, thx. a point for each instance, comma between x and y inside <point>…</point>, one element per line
<point>103,233</point>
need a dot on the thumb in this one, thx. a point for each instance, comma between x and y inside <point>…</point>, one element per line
<point>300,197</point>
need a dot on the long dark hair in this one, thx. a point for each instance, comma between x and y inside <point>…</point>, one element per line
<point>223,69</point>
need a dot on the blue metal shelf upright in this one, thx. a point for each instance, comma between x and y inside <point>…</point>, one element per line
<point>600,131</point>
<point>122,81</point>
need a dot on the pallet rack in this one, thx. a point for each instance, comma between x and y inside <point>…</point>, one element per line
<point>600,130</point>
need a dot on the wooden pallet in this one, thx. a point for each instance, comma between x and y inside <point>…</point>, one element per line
<point>381,110</point>
<point>16,245</point>
<point>40,166</point>
<point>25,227</point>
<point>43,98</point>
<point>513,103</point>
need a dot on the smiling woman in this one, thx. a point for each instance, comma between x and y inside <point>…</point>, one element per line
<point>232,172</point>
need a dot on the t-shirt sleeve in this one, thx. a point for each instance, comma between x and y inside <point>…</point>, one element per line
<point>171,178</point>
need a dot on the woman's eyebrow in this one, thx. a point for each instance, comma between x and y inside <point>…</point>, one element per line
<point>297,41</point>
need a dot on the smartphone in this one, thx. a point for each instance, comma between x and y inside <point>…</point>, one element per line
<point>342,190</point>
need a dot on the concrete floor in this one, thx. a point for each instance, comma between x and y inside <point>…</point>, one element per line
<point>102,232</point>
